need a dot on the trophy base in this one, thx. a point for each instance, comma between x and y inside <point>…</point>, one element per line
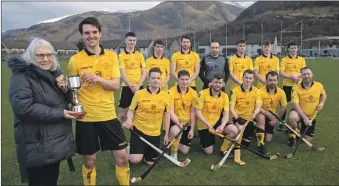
<point>78,108</point>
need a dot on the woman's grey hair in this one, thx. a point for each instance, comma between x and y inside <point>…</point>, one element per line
<point>37,43</point>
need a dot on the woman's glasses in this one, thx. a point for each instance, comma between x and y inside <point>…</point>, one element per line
<point>42,56</point>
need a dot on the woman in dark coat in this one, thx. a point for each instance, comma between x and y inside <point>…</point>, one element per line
<point>42,123</point>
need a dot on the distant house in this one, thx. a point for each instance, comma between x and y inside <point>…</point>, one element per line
<point>20,46</point>
<point>15,46</point>
<point>62,47</point>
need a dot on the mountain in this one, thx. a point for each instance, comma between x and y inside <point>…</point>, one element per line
<point>175,16</point>
<point>319,18</point>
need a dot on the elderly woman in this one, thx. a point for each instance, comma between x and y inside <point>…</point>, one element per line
<point>42,123</point>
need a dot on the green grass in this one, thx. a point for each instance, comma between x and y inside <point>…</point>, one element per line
<point>306,167</point>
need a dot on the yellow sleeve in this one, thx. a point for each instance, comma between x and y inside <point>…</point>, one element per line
<point>250,63</point>
<point>303,63</point>
<point>142,62</point>
<point>258,98</point>
<point>134,102</point>
<point>199,104</point>
<point>226,104</point>
<point>233,98</point>
<point>256,64</point>
<point>121,61</point>
<point>168,68</point>
<point>282,65</point>
<point>283,100</point>
<point>295,97</point>
<point>231,64</point>
<point>168,106</point>
<point>197,58</point>
<point>277,64</point>
<point>115,67</point>
<point>148,66</point>
<point>322,90</point>
<point>71,67</point>
<point>171,97</point>
<point>174,58</point>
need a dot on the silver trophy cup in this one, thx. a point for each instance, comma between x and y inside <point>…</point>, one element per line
<point>74,84</point>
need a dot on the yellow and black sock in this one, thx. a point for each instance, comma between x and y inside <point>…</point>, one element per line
<point>260,136</point>
<point>175,145</point>
<point>225,145</point>
<point>292,135</point>
<point>122,174</point>
<point>89,175</point>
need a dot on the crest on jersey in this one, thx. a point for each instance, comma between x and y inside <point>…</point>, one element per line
<point>153,106</point>
<point>98,73</point>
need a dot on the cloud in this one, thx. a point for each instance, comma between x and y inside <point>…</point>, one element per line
<point>25,14</point>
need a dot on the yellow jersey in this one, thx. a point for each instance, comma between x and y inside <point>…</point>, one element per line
<point>308,99</point>
<point>238,65</point>
<point>162,63</point>
<point>211,107</point>
<point>186,62</point>
<point>292,66</point>
<point>264,64</point>
<point>244,102</point>
<point>148,110</point>
<point>182,103</point>
<point>271,101</point>
<point>132,62</point>
<point>98,103</point>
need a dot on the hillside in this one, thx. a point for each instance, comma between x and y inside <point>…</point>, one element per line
<point>318,18</point>
<point>176,17</point>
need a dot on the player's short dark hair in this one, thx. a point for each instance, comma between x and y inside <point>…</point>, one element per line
<point>218,76</point>
<point>214,41</point>
<point>183,73</point>
<point>266,43</point>
<point>305,68</point>
<point>159,42</point>
<point>248,72</point>
<point>89,21</point>
<point>130,34</point>
<point>185,37</point>
<point>241,42</point>
<point>272,73</point>
<point>154,69</point>
<point>291,44</point>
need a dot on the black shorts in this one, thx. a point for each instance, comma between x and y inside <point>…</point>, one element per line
<point>137,146</point>
<point>269,129</point>
<point>207,139</point>
<point>184,137</point>
<point>288,92</point>
<point>109,133</point>
<point>126,97</point>
<point>310,131</point>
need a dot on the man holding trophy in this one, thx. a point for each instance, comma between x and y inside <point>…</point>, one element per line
<point>93,76</point>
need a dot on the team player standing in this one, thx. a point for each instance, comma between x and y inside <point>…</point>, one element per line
<point>145,110</point>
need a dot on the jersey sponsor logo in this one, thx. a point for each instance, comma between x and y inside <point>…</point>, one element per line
<point>146,100</point>
<point>85,67</point>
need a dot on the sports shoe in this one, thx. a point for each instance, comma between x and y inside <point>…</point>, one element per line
<point>262,149</point>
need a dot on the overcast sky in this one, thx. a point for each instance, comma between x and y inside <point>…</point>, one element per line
<point>25,14</point>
